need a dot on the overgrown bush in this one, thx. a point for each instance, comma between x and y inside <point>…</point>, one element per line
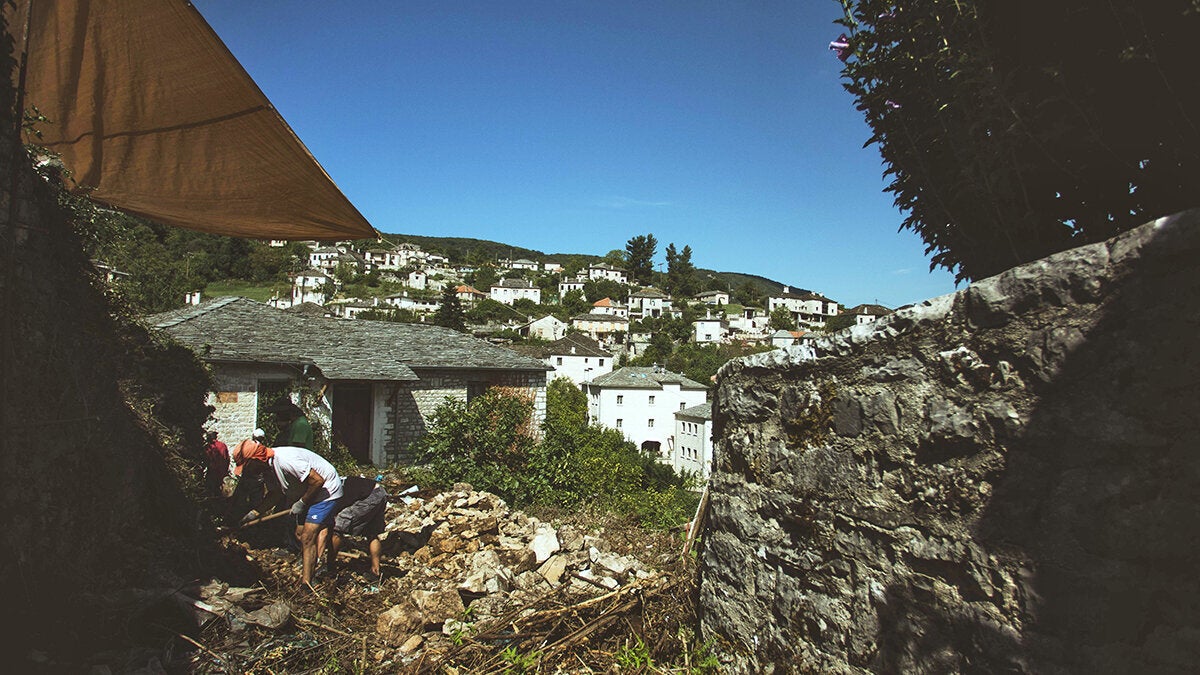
<point>489,443</point>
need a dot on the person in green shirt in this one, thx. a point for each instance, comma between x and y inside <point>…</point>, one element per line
<point>295,431</point>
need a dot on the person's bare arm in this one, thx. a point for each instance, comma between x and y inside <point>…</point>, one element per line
<point>313,483</point>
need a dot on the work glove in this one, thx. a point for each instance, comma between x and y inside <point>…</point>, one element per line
<point>250,515</point>
<point>299,507</point>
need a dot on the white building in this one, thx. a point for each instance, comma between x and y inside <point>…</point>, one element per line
<point>806,307</point>
<point>607,306</point>
<point>709,329</point>
<point>567,285</point>
<point>309,286</point>
<point>714,297</point>
<point>641,403</point>
<point>604,328</point>
<point>521,264</point>
<point>578,357</point>
<point>606,271</point>
<point>418,279</point>
<point>405,301</point>
<point>693,447</point>
<point>868,313</point>
<point>546,328</point>
<point>649,302</point>
<point>508,290</point>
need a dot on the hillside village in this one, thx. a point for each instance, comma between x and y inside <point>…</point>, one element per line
<point>381,378</point>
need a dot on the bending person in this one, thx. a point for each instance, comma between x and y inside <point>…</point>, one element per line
<point>284,469</point>
<point>360,514</point>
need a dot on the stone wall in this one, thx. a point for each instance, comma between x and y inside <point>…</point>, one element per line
<point>416,402</point>
<point>1005,479</point>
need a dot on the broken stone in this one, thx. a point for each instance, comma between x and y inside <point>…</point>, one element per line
<point>437,606</point>
<point>553,569</point>
<point>398,623</point>
<point>544,543</point>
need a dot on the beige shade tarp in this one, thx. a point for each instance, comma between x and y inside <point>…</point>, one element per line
<point>152,115</point>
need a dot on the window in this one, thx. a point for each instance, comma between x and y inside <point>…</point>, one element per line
<point>559,361</point>
<point>620,399</point>
<point>601,363</point>
<point>651,399</point>
<point>650,423</point>
<point>619,421</point>
<point>682,405</point>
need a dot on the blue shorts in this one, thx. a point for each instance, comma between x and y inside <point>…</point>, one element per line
<point>321,513</point>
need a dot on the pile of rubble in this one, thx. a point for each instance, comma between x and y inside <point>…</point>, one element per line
<point>465,579</point>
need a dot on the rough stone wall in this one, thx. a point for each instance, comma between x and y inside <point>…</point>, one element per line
<point>235,397</point>
<point>416,402</point>
<point>1005,479</point>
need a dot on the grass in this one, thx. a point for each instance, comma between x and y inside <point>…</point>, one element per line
<point>260,291</point>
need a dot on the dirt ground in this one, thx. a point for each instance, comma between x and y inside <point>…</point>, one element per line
<point>254,616</point>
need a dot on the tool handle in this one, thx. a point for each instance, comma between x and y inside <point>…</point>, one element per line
<point>272,516</point>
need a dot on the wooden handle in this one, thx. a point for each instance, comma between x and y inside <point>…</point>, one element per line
<point>273,516</point>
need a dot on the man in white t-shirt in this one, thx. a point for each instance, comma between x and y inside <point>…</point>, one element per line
<point>284,469</point>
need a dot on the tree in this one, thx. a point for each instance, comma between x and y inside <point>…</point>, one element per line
<point>1002,144</point>
<point>574,303</point>
<point>598,289</point>
<point>681,273</point>
<point>749,294</point>
<point>615,257</point>
<point>639,258</point>
<point>450,313</point>
<point>782,319</point>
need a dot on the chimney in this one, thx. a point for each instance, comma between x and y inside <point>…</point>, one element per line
<point>787,289</point>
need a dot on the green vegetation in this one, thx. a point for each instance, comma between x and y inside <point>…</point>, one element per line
<point>1011,131</point>
<point>490,443</point>
<point>261,291</point>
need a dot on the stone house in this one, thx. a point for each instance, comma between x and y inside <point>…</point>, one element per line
<point>641,403</point>
<point>648,302</point>
<point>372,384</point>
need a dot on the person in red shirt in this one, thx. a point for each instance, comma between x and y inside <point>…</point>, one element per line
<point>217,455</point>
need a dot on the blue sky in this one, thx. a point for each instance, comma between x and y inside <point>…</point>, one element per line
<point>570,127</point>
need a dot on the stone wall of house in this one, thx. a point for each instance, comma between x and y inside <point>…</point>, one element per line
<point>235,397</point>
<point>415,402</point>
<point>1005,479</point>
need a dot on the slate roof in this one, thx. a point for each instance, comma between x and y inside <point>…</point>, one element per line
<point>869,310</point>
<point>649,292</point>
<point>584,346</point>
<point>513,283</point>
<point>599,316</point>
<point>703,411</point>
<point>635,377</point>
<point>242,330</point>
